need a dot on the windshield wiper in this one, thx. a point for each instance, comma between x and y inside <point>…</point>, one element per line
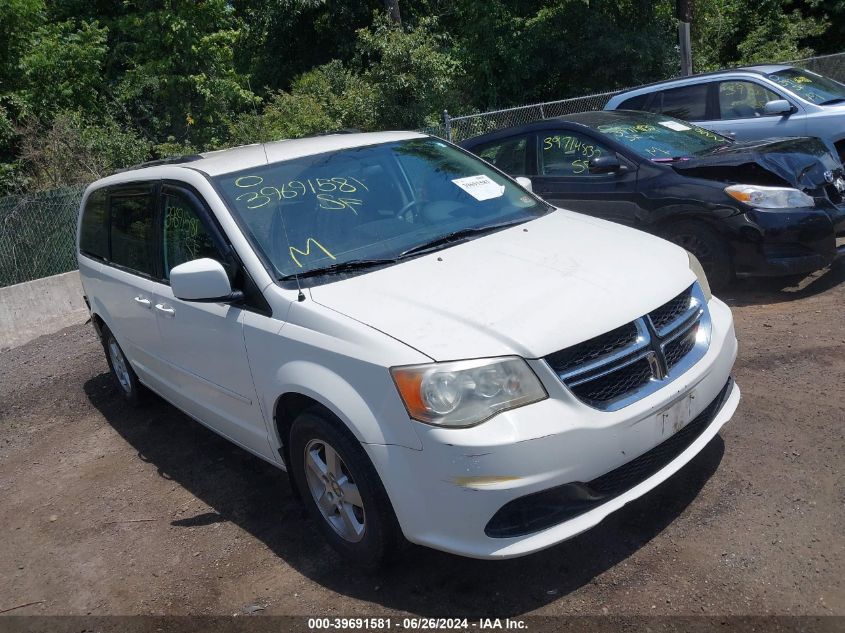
<point>457,236</point>
<point>833,101</point>
<point>341,267</point>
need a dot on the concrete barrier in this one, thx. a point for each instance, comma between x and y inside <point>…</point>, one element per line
<point>39,307</point>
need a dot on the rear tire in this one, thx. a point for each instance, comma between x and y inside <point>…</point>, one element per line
<point>125,378</point>
<point>342,491</point>
<point>707,245</point>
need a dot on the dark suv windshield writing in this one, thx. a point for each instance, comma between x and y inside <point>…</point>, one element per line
<point>814,88</point>
<point>369,204</point>
<point>662,138</point>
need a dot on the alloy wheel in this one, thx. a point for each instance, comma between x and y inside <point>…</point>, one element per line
<point>334,490</point>
<point>118,363</point>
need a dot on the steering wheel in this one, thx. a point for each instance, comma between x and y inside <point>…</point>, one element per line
<point>405,212</point>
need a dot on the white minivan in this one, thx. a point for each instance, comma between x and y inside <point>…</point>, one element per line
<point>431,352</point>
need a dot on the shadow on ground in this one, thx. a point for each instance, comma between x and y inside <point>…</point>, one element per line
<point>256,496</point>
<point>762,290</point>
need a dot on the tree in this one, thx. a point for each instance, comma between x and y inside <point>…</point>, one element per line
<point>62,68</point>
<point>726,33</point>
<point>410,69</point>
<point>175,68</point>
<point>392,7</point>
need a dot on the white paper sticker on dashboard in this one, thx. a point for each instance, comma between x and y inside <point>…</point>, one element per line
<point>674,125</point>
<point>480,187</point>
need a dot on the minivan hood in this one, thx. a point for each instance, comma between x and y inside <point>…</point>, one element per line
<point>799,162</point>
<point>529,290</point>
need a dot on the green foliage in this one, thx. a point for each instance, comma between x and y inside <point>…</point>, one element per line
<point>397,79</point>
<point>69,150</point>
<point>18,20</point>
<point>777,37</point>
<point>726,33</point>
<point>62,67</point>
<point>87,86</point>
<point>575,48</point>
<point>411,71</point>
<point>179,77</point>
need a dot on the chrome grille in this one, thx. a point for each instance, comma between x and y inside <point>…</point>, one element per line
<point>596,347</point>
<point>610,386</point>
<point>679,347</point>
<point>671,310</point>
<point>619,367</point>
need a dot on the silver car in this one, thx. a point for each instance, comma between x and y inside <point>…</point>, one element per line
<point>750,103</point>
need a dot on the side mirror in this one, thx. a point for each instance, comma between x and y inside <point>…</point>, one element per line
<point>525,182</point>
<point>203,280</point>
<point>606,165</point>
<point>778,106</point>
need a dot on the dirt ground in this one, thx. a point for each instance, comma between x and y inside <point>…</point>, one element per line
<point>109,510</point>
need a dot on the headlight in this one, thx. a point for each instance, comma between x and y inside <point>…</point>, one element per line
<point>770,197</point>
<point>466,392</point>
<point>695,266</point>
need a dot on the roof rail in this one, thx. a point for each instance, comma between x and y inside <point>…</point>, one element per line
<point>169,160</point>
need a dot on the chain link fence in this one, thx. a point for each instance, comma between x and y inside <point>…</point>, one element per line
<point>37,234</point>
<point>38,231</point>
<point>459,128</point>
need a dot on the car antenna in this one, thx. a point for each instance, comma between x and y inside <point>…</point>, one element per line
<point>301,295</point>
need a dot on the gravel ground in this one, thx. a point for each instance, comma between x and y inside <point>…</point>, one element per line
<point>109,510</point>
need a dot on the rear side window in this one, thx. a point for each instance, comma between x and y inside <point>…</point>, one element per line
<point>634,103</point>
<point>507,154</point>
<point>94,230</point>
<point>687,102</point>
<point>133,229</point>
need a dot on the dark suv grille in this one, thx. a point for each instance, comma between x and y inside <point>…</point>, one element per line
<point>607,370</point>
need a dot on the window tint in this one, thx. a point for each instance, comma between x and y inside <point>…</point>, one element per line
<point>812,87</point>
<point>506,154</point>
<point>132,230</point>
<point>658,137</point>
<point>185,237</point>
<point>568,154</point>
<point>688,102</point>
<point>743,99</point>
<point>94,231</point>
<point>634,103</point>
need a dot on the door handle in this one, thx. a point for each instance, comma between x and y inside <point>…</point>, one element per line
<point>163,308</point>
<point>143,301</point>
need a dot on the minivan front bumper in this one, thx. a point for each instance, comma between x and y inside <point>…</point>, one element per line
<point>448,495</point>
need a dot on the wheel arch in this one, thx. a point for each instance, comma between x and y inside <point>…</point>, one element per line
<point>712,217</point>
<point>306,384</point>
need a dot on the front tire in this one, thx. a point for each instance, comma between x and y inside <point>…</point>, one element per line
<point>125,378</point>
<point>708,247</point>
<point>341,490</point>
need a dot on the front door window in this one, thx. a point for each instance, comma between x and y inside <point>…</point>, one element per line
<point>185,237</point>
<point>568,154</point>
<point>743,99</point>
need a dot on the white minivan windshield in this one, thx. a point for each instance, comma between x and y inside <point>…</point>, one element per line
<point>351,210</point>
